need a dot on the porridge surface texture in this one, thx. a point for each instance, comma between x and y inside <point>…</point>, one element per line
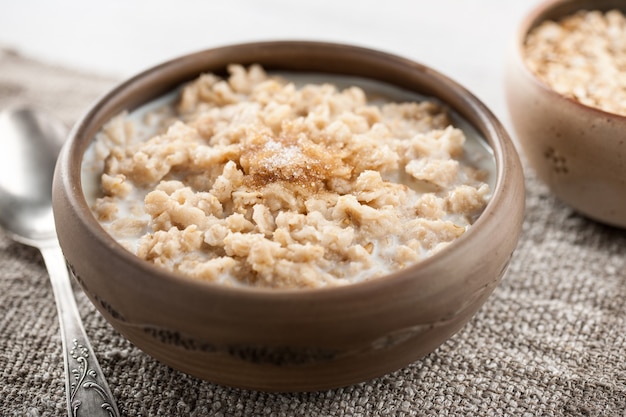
<point>252,180</point>
<point>583,57</point>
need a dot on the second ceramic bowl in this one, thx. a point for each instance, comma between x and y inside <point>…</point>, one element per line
<point>578,151</point>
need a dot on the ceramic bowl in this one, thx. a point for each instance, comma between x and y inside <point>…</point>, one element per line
<point>578,151</point>
<point>290,340</point>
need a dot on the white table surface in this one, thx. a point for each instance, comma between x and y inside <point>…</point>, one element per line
<point>464,39</point>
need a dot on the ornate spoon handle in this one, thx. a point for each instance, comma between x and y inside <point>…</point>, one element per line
<point>87,391</point>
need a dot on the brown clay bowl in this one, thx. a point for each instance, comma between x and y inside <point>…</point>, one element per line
<point>290,340</point>
<point>578,151</point>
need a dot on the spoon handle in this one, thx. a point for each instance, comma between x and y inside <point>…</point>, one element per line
<point>87,391</point>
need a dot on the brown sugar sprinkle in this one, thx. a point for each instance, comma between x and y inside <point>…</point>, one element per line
<point>583,57</point>
<point>297,160</point>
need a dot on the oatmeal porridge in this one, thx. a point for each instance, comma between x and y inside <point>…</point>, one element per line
<point>583,57</point>
<point>259,180</point>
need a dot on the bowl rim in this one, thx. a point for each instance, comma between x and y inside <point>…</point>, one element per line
<point>549,10</point>
<point>504,154</point>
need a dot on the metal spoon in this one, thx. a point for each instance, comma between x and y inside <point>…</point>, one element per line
<point>29,144</point>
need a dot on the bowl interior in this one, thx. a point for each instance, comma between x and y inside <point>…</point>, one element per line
<point>556,9</point>
<point>309,57</point>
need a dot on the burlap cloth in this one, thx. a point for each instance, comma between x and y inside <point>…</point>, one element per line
<point>550,341</point>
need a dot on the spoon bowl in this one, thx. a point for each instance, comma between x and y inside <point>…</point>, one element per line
<point>26,199</point>
<point>30,142</point>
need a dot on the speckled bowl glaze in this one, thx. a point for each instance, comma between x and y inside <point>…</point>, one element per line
<point>578,151</point>
<point>290,340</point>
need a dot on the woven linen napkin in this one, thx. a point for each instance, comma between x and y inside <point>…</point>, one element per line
<point>550,341</point>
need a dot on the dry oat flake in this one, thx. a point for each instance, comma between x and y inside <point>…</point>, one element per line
<point>583,57</point>
<point>251,180</point>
